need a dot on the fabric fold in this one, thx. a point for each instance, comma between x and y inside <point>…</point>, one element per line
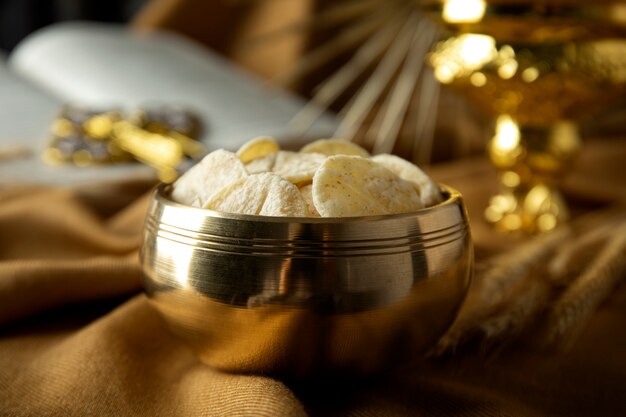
<point>70,347</point>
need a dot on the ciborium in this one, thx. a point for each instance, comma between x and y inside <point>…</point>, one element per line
<point>307,297</point>
<point>540,68</point>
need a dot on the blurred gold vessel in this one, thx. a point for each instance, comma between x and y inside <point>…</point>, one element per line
<point>540,67</point>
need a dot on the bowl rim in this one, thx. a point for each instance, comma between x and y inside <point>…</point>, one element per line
<point>161,191</point>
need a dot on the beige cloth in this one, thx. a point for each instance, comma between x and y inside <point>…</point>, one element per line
<point>78,338</point>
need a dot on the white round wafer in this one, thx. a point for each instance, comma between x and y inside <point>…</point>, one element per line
<point>330,147</point>
<point>257,147</point>
<point>297,167</point>
<point>212,173</point>
<point>307,195</point>
<point>263,164</point>
<point>347,185</point>
<point>265,194</point>
<point>428,190</point>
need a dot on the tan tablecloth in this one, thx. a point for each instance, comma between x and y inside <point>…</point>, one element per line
<point>78,338</point>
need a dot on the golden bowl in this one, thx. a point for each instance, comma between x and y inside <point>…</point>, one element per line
<point>307,296</point>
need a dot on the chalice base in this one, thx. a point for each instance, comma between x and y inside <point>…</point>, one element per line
<point>535,209</point>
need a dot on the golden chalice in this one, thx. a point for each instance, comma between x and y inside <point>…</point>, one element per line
<point>539,67</point>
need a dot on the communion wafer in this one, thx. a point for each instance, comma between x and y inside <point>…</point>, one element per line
<point>297,167</point>
<point>307,195</point>
<point>214,172</point>
<point>262,164</point>
<point>256,148</point>
<point>347,185</point>
<point>265,194</point>
<point>330,147</point>
<point>428,190</point>
<point>327,178</point>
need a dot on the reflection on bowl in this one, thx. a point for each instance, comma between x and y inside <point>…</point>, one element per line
<point>307,296</point>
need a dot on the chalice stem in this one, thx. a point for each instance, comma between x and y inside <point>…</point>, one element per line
<point>530,160</point>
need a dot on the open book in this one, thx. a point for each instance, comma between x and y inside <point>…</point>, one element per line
<point>110,66</point>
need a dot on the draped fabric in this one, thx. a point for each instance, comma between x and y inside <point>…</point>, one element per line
<point>77,336</point>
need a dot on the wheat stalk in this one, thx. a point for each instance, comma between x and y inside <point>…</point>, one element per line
<point>585,294</point>
<point>374,87</point>
<point>398,56</point>
<point>330,89</point>
<point>520,310</point>
<point>512,289</point>
<point>334,16</point>
<point>426,119</point>
<point>574,256</point>
<point>350,37</point>
<point>387,124</point>
<point>494,304</point>
<point>508,269</point>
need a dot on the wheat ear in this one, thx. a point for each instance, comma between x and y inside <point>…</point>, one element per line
<point>586,293</point>
<point>496,283</point>
<point>574,256</point>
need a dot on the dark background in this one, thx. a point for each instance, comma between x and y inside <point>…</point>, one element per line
<point>18,18</point>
